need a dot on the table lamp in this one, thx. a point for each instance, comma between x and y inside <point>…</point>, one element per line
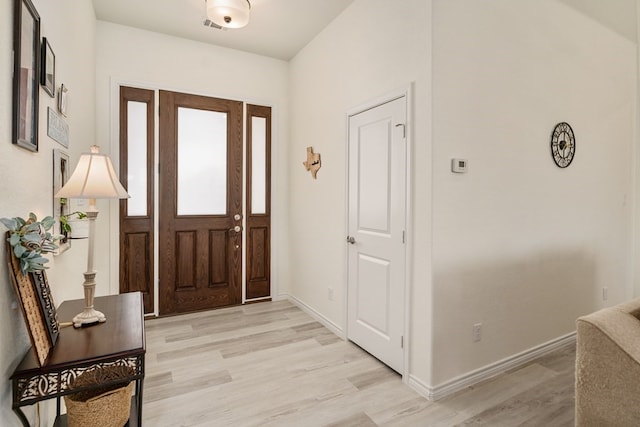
<point>94,178</point>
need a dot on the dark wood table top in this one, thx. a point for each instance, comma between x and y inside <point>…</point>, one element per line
<point>121,335</point>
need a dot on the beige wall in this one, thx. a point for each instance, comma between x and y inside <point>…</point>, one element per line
<point>26,178</point>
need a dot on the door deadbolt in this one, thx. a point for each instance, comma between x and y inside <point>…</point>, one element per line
<point>237,217</point>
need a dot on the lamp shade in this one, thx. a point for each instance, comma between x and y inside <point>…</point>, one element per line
<point>229,13</point>
<point>93,178</point>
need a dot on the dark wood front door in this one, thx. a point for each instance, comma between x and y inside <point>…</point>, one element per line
<point>136,174</point>
<point>200,192</point>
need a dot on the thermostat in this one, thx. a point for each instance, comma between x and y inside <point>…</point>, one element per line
<point>458,165</point>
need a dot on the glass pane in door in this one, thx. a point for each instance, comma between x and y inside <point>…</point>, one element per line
<point>202,162</point>
<point>137,158</point>
<point>258,165</point>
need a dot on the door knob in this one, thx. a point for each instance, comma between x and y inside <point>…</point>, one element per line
<point>237,229</point>
<point>351,239</point>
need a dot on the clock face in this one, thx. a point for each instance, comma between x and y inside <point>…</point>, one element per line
<point>563,144</point>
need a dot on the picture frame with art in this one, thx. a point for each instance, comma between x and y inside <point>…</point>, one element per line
<point>48,74</point>
<point>63,100</point>
<point>60,205</point>
<point>26,76</point>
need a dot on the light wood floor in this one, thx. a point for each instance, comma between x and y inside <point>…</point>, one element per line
<point>270,364</point>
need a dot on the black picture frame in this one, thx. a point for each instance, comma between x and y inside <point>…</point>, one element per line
<point>61,168</point>
<point>48,66</point>
<point>47,306</point>
<point>26,76</point>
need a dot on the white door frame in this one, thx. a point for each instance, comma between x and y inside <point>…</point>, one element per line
<point>405,92</point>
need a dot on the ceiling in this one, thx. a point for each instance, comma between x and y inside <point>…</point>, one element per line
<point>618,15</point>
<point>278,28</point>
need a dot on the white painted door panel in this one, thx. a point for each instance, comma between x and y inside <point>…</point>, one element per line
<point>377,205</point>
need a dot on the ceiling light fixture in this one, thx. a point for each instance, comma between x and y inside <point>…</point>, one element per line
<point>229,13</point>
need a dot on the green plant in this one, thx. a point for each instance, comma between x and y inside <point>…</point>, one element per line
<point>65,227</point>
<point>30,239</point>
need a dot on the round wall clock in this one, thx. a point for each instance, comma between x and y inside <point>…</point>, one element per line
<point>563,144</point>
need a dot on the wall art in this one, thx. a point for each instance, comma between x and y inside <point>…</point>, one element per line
<point>57,128</point>
<point>48,65</point>
<point>26,44</point>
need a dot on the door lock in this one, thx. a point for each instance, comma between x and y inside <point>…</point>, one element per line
<point>351,239</point>
<point>237,217</point>
<point>237,229</point>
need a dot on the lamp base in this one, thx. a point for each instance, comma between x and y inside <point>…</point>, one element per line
<point>88,317</point>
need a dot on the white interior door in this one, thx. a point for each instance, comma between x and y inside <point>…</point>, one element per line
<point>376,234</point>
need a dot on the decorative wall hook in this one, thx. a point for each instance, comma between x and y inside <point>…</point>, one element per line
<point>313,162</point>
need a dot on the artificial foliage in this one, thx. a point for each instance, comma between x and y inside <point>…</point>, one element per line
<point>30,239</point>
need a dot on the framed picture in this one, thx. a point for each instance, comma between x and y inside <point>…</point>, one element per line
<point>47,305</point>
<point>48,65</point>
<point>57,128</point>
<point>41,330</point>
<point>62,100</point>
<point>60,205</point>
<point>26,46</point>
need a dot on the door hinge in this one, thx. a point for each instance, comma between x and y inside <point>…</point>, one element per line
<point>404,129</point>
<point>402,341</point>
<point>403,237</point>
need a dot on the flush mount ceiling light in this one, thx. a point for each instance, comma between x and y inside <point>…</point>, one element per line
<point>229,13</point>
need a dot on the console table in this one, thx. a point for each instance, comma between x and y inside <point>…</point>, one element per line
<point>120,341</point>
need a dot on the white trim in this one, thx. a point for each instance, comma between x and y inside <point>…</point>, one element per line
<point>333,327</point>
<point>409,232</point>
<point>489,371</point>
<point>243,204</point>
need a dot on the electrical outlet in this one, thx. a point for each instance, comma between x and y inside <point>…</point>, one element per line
<point>330,294</point>
<point>605,294</point>
<point>477,332</point>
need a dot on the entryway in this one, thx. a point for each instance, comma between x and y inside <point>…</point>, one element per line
<point>377,199</point>
<point>206,199</point>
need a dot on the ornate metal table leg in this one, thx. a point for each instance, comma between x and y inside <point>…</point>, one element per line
<point>20,415</point>
<point>139,388</point>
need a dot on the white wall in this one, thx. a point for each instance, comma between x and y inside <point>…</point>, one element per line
<point>26,178</point>
<point>374,47</point>
<point>520,245</point>
<point>145,59</point>
<point>516,244</point>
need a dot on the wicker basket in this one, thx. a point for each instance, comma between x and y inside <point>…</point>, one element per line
<point>100,407</point>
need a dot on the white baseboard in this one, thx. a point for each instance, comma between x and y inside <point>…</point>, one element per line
<point>315,314</point>
<point>486,372</point>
